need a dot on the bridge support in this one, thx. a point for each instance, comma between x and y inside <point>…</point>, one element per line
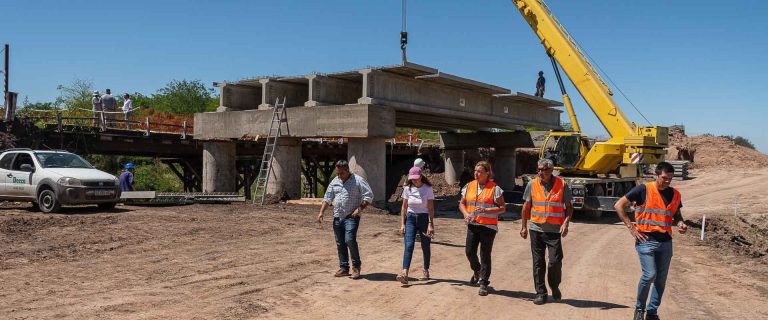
<point>454,165</point>
<point>367,158</point>
<point>285,178</point>
<point>504,168</point>
<point>219,172</point>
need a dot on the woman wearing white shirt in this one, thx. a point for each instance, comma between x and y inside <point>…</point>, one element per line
<point>417,215</point>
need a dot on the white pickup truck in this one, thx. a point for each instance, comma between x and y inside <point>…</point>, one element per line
<point>50,179</point>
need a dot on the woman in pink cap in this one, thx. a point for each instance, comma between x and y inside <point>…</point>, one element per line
<point>417,216</point>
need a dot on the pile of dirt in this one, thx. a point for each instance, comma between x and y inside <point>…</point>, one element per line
<point>441,188</point>
<point>739,234</point>
<point>711,152</point>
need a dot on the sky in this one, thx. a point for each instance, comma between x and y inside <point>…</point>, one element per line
<point>697,63</point>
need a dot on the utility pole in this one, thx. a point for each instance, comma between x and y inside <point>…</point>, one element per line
<point>5,76</point>
<point>9,97</point>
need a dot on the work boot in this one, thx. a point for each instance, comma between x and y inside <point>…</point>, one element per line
<point>341,273</point>
<point>540,299</point>
<point>556,294</point>
<point>649,316</point>
<point>483,290</point>
<point>639,314</point>
<point>475,278</point>
<point>355,272</point>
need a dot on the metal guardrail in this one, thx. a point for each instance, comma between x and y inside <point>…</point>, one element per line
<point>104,123</point>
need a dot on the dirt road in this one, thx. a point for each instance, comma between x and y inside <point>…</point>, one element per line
<point>241,262</point>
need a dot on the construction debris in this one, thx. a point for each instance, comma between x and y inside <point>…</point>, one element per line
<point>178,198</point>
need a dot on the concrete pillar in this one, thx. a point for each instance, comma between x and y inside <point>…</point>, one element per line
<point>219,172</point>
<point>504,168</point>
<point>285,177</point>
<point>454,165</point>
<point>296,94</point>
<point>325,90</point>
<point>367,158</point>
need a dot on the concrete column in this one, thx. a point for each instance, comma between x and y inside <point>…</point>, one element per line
<point>367,158</point>
<point>504,168</point>
<point>219,170</point>
<point>454,165</point>
<point>271,89</point>
<point>325,90</point>
<point>285,177</point>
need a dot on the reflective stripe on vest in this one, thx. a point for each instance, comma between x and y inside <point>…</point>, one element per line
<point>547,208</point>
<point>654,215</point>
<point>484,200</point>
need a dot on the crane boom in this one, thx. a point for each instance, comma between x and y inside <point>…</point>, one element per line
<point>629,144</point>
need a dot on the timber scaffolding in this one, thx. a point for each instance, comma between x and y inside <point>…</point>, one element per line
<point>363,108</point>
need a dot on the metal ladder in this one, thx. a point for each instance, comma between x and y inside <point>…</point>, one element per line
<point>265,168</point>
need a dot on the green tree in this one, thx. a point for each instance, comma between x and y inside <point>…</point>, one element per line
<point>184,97</point>
<point>76,95</point>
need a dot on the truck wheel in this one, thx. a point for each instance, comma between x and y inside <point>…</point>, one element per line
<point>107,206</point>
<point>47,201</point>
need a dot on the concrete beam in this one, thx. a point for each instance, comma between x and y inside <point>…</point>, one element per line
<point>236,97</point>
<point>271,89</point>
<point>456,141</point>
<point>357,121</point>
<point>325,91</point>
<point>367,158</point>
<point>219,170</point>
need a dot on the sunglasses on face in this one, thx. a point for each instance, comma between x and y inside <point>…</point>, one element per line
<point>543,169</point>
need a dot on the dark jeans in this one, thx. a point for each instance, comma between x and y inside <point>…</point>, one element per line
<point>482,237</point>
<point>345,231</point>
<point>549,241</point>
<point>655,258</point>
<point>416,223</point>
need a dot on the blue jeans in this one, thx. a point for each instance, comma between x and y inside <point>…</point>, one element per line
<point>345,231</point>
<point>416,223</point>
<point>655,258</point>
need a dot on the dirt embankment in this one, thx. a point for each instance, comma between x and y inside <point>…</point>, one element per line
<point>713,152</point>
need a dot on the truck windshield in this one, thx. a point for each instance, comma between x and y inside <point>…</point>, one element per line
<point>61,160</point>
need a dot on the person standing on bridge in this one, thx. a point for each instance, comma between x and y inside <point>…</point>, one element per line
<point>97,109</point>
<point>657,210</point>
<point>481,204</point>
<point>349,194</point>
<point>110,105</point>
<point>540,85</point>
<point>127,183</point>
<point>127,108</point>
<point>548,206</point>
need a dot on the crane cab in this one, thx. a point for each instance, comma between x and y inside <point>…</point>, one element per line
<point>565,149</point>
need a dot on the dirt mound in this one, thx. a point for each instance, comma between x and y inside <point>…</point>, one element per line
<point>739,234</point>
<point>709,151</point>
<point>441,188</point>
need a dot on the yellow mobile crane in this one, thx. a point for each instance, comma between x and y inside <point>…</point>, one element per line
<point>602,172</point>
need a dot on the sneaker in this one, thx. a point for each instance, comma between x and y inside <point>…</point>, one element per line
<point>341,273</point>
<point>649,316</point>
<point>425,275</point>
<point>475,278</point>
<point>540,299</point>
<point>639,314</point>
<point>402,278</point>
<point>556,294</point>
<point>483,290</point>
<point>355,272</point>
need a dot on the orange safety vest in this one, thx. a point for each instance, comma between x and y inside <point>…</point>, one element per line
<point>484,199</point>
<point>654,215</point>
<point>547,209</point>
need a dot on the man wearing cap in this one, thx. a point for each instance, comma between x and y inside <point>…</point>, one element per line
<point>349,194</point>
<point>126,178</point>
<point>97,108</point>
<point>110,105</point>
<point>540,85</point>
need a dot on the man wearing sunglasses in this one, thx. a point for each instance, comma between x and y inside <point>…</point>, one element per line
<point>548,206</point>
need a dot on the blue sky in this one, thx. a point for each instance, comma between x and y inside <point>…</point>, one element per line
<point>696,63</point>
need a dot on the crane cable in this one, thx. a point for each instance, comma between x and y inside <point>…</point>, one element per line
<point>611,81</point>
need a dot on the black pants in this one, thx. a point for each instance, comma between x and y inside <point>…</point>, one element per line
<point>551,242</point>
<point>482,237</point>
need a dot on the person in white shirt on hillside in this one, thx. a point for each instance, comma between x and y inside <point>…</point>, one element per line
<point>417,216</point>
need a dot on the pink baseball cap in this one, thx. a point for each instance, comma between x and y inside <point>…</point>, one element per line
<point>414,173</point>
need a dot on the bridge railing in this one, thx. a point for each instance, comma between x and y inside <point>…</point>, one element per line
<point>146,120</point>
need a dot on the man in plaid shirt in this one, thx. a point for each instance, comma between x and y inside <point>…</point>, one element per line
<point>349,194</point>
